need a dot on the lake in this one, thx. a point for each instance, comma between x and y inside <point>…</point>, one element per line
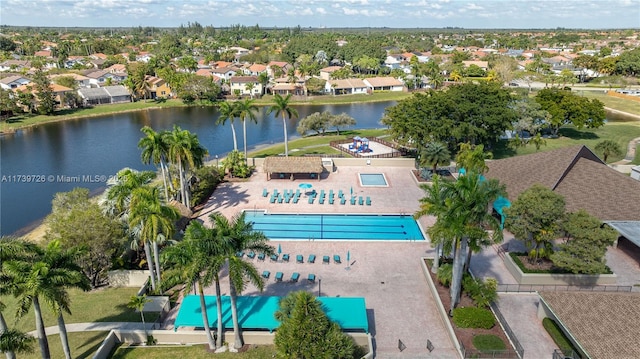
<point>38,162</point>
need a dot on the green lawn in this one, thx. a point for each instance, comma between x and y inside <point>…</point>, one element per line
<point>620,132</point>
<point>340,99</point>
<point>82,345</point>
<point>191,352</point>
<point>315,144</point>
<point>30,120</point>
<point>103,305</point>
<point>616,103</point>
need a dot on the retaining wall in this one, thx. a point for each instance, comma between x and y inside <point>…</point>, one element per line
<point>556,279</point>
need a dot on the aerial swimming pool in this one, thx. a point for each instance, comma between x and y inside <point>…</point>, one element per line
<point>335,226</point>
<point>373,180</point>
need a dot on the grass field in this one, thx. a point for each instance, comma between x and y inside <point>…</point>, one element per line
<point>620,132</point>
<point>315,144</point>
<point>191,352</point>
<point>82,345</point>
<point>103,305</point>
<point>616,103</point>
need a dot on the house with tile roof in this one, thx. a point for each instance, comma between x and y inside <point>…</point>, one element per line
<point>157,87</point>
<point>325,73</point>
<point>240,85</point>
<point>58,91</point>
<point>387,83</point>
<point>255,69</point>
<point>14,65</point>
<point>349,86</point>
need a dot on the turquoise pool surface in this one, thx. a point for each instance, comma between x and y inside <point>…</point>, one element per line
<point>335,227</point>
<point>373,179</point>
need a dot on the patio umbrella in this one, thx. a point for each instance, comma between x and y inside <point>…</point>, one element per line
<point>305,185</point>
<point>279,249</point>
<point>348,256</point>
<point>352,190</point>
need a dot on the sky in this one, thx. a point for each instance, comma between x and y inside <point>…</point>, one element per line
<point>478,14</point>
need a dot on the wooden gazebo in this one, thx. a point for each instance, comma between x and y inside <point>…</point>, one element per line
<point>289,167</point>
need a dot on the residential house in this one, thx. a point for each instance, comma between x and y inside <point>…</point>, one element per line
<point>13,82</point>
<point>326,72</point>
<point>104,95</point>
<point>116,69</point>
<point>221,64</point>
<point>255,69</point>
<point>349,86</point>
<point>484,65</point>
<point>157,87</point>
<point>81,81</point>
<point>71,61</point>
<point>43,53</point>
<point>383,84</point>
<point>101,78</point>
<point>58,91</point>
<point>15,65</point>
<point>238,85</point>
<point>393,61</point>
<point>286,88</point>
<point>98,55</point>
<point>277,68</point>
<point>144,57</point>
<point>224,73</point>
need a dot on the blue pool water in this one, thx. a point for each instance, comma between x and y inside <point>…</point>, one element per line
<point>335,227</point>
<point>372,179</point>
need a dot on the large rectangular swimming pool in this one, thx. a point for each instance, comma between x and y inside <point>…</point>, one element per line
<point>335,226</point>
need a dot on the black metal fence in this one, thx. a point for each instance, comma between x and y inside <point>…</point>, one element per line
<point>507,330</point>
<point>506,288</point>
<point>559,354</point>
<point>488,354</point>
<point>396,153</point>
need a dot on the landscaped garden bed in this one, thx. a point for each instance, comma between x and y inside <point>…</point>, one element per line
<point>473,339</point>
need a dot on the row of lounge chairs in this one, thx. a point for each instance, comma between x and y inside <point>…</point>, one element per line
<point>286,257</point>
<point>294,276</point>
<point>289,196</point>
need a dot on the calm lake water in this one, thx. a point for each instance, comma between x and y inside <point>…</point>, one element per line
<point>38,162</point>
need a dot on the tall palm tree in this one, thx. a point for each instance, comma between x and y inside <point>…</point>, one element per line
<point>47,276</point>
<point>228,112</point>
<point>197,261</point>
<point>138,302</point>
<point>237,235</point>
<point>116,198</point>
<point>186,151</point>
<point>153,219</point>
<point>11,248</point>
<point>465,216</point>
<point>433,203</point>
<point>155,150</point>
<point>249,86</point>
<point>433,154</point>
<point>246,111</point>
<point>14,341</point>
<point>283,108</point>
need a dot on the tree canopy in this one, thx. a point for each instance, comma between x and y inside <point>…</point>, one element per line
<point>567,108</point>
<point>475,113</point>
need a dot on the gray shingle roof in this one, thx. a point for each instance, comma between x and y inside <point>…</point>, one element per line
<point>577,174</point>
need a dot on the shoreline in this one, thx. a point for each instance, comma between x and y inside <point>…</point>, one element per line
<point>623,113</point>
<point>308,102</point>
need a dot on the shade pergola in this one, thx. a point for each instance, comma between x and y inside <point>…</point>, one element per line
<point>288,167</point>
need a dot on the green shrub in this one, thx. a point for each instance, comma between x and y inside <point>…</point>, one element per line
<point>482,292</point>
<point>473,317</point>
<point>488,342</point>
<point>235,164</point>
<point>557,335</point>
<point>208,179</point>
<point>445,274</point>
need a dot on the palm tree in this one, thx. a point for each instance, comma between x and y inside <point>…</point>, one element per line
<point>47,277</point>
<point>118,195</point>
<point>11,248</point>
<point>246,110</point>
<point>465,216</point>
<point>154,219</point>
<point>455,76</point>
<point>249,86</point>
<point>433,154</point>
<point>228,112</point>
<point>14,341</point>
<point>237,235</point>
<point>186,151</point>
<point>138,302</point>
<point>608,148</point>
<point>283,108</point>
<point>433,203</point>
<point>197,260</point>
<point>155,150</point>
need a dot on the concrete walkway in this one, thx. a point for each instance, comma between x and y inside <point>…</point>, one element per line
<point>96,327</point>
